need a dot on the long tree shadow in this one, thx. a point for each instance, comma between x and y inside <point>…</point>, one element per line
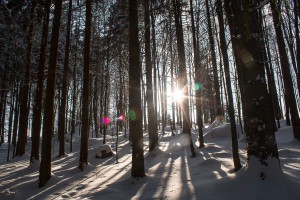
<point>209,168</point>
<point>160,167</point>
<point>65,174</point>
<point>77,180</point>
<point>168,174</point>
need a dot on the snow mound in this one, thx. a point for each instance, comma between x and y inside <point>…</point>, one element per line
<point>104,151</point>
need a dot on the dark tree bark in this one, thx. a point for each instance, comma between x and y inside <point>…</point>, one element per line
<point>95,105</point>
<point>74,97</point>
<point>83,159</point>
<point>182,76</point>
<point>120,109</point>
<point>106,98</point>
<point>135,111</point>
<point>11,113</point>
<point>260,134</point>
<point>296,13</point>
<point>106,90</point>
<point>3,95</point>
<point>101,101</point>
<point>24,110</point>
<point>223,46</point>
<point>37,108</point>
<point>214,64</point>
<point>241,103</point>
<point>144,100</point>
<point>271,81</point>
<point>64,95</point>
<point>3,118</point>
<point>198,84</point>
<point>152,118</point>
<point>153,33</point>
<point>238,99</point>
<point>16,119</point>
<point>48,120</point>
<point>173,127</point>
<point>289,38</point>
<point>286,72</point>
<point>163,95</point>
<point>91,104</point>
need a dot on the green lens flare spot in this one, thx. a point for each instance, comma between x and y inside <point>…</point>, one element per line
<point>198,86</point>
<point>132,115</point>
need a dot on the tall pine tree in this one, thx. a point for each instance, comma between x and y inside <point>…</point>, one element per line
<point>135,110</point>
<point>243,19</point>
<point>48,121</point>
<point>83,159</point>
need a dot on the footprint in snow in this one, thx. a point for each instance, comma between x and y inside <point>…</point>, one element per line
<point>81,187</point>
<point>65,196</point>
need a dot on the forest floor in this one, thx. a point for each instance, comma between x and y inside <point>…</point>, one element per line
<point>171,173</point>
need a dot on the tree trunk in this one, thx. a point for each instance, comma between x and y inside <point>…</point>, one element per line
<point>4,92</point>
<point>182,76</point>
<point>74,97</point>
<point>154,65</point>
<point>260,134</point>
<point>238,100</point>
<point>106,101</point>
<point>37,108</point>
<point>121,93</point>
<point>95,104</point>
<point>297,36</point>
<point>11,113</point>
<point>101,100</point>
<point>22,133</point>
<point>135,111</point>
<point>145,125</point>
<point>271,81</point>
<point>83,159</point>
<point>198,85</point>
<point>48,120</point>
<point>16,119</point>
<point>286,72</point>
<point>106,92</point>
<point>152,120</point>
<point>214,64</point>
<point>3,117</point>
<point>173,127</point>
<point>2,81</point>
<point>64,95</point>
<point>223,43</point>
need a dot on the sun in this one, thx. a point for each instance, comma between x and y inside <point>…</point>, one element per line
<point>177,95</point>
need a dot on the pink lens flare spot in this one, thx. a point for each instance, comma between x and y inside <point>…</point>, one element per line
<point>105,120</point>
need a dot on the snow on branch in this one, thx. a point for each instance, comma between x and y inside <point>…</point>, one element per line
<point>262,4</point>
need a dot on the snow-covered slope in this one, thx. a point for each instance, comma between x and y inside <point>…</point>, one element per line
<point>171,172</point>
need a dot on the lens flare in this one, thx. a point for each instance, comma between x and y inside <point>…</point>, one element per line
<point>132,115</point>
<point>198,86</point>
<point>121,118</point>
<point>105,120</point>
<point>178,95</point>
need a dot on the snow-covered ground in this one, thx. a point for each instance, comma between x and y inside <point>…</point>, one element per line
<point>171,172</point>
